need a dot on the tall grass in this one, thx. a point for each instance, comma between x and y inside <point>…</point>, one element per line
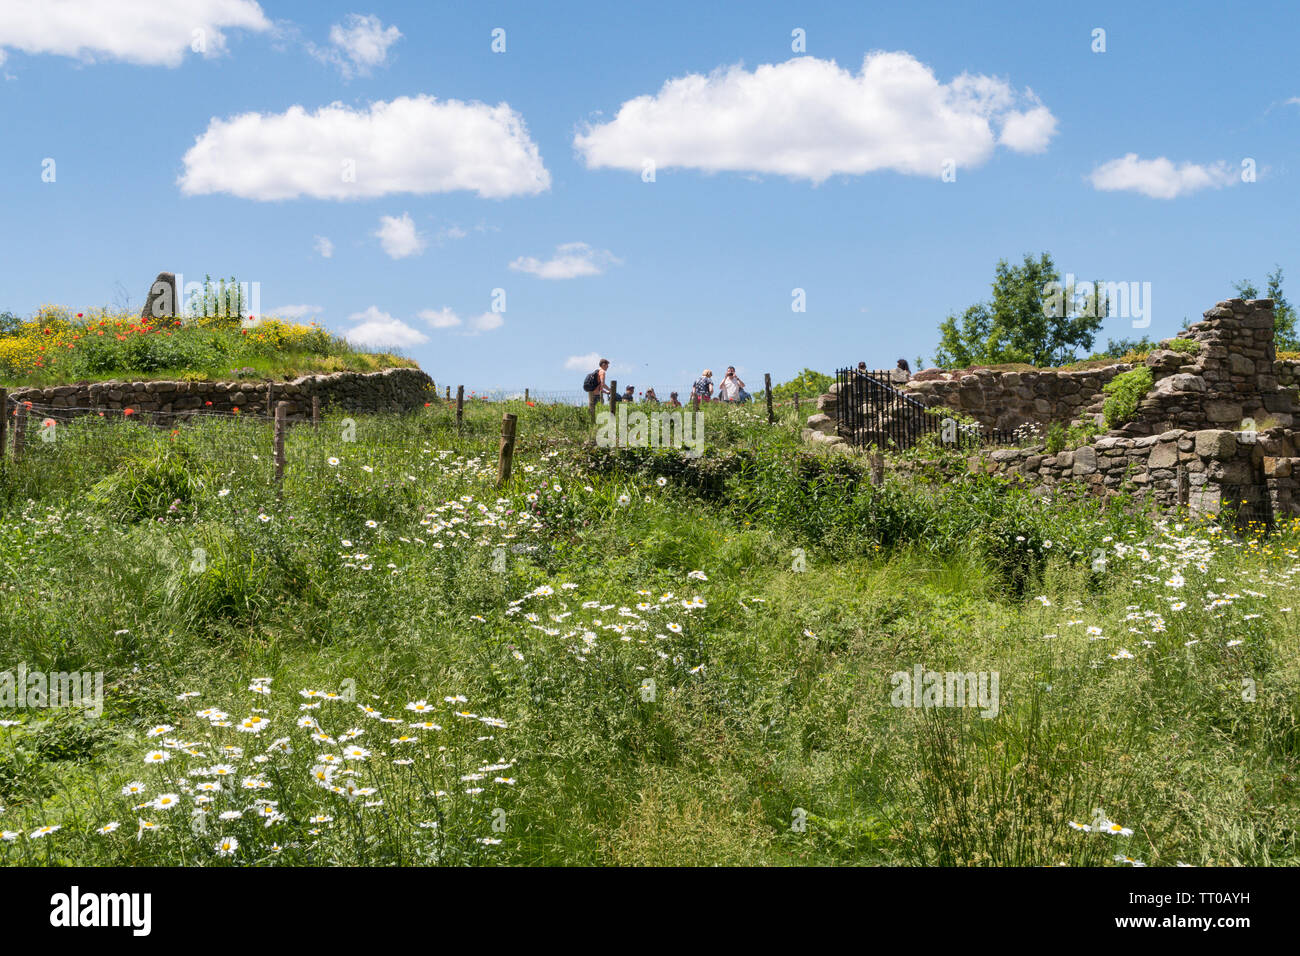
<point>687,660</point>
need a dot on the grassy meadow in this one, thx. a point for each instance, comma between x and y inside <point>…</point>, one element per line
<point>56,346</point>
<point>623,656</point>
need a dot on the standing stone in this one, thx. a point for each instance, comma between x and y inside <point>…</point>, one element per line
<point>161,303</point>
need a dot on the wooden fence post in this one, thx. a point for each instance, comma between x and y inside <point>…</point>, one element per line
<point>506,455</point>
<point>525,396</point>
<point>270,397</point>
<point>613,396</point>
<point>460,405</point>
<point>448,394</point>
<point>20,429</point>
<point>4,419</point>
<point>281,411</point>
<point>796,406</point>
<point>315,411</point>
<point>767,382</point>
<point>878,469</point>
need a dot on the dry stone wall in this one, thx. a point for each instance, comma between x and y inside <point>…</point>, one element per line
<point>995,399</point>
<point>389,390</point>
<point>1230,382</point>
<point>1207,470</point>
<point>1007,400</point>
<point>1215,431</point>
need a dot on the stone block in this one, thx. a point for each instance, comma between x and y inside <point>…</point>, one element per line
<point>1216,443</point>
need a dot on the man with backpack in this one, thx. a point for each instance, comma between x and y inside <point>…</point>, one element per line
<point>595,387</point>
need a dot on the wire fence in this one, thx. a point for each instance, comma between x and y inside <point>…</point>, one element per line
<point>42,443</point>
<point>538,396</point>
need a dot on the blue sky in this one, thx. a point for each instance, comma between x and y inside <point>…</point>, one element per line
<point>523,170</point>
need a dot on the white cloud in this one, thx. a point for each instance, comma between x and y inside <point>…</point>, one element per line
<point>145,32</point>
<point>1293,101</point>
<point>571,260</point>
<point>378,329</point>
<point>357,45</point>
<point>486,322</point>
<point>295,311</point>
<point>324,247</point>
<point>1028,131</point>
<point>399,237</point>
<point>582,363</point>
<point>409,145</point>
<point>1159,178</point>
<point>810,119</point>
<point>445,318</point>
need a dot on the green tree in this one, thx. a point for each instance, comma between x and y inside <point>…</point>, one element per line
<point>9,323</point>
<point>1284,313</point>
<point>1118,348</point>
<point>807,384</point>
<point>965,344</point>
<point>1032,318</point>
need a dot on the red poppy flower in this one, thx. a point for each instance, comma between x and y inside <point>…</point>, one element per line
<point>128,411</point>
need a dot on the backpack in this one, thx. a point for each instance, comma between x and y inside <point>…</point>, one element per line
<point>591,382</point>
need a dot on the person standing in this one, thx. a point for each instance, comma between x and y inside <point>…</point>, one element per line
<point>732,387</point>
<point>595,387</point>
<point>702,390</point>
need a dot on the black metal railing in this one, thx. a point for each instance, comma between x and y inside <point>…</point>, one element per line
<point>872,411</point>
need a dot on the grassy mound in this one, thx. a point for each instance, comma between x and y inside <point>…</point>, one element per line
<point>57,346</point>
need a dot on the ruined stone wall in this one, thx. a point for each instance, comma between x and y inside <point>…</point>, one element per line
<point>394,389</point>
<point>1007,400</point>
<point>1206,470</point>
<point>1230,382</point>
<point>995,399</point>
<point>1215,431</point>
